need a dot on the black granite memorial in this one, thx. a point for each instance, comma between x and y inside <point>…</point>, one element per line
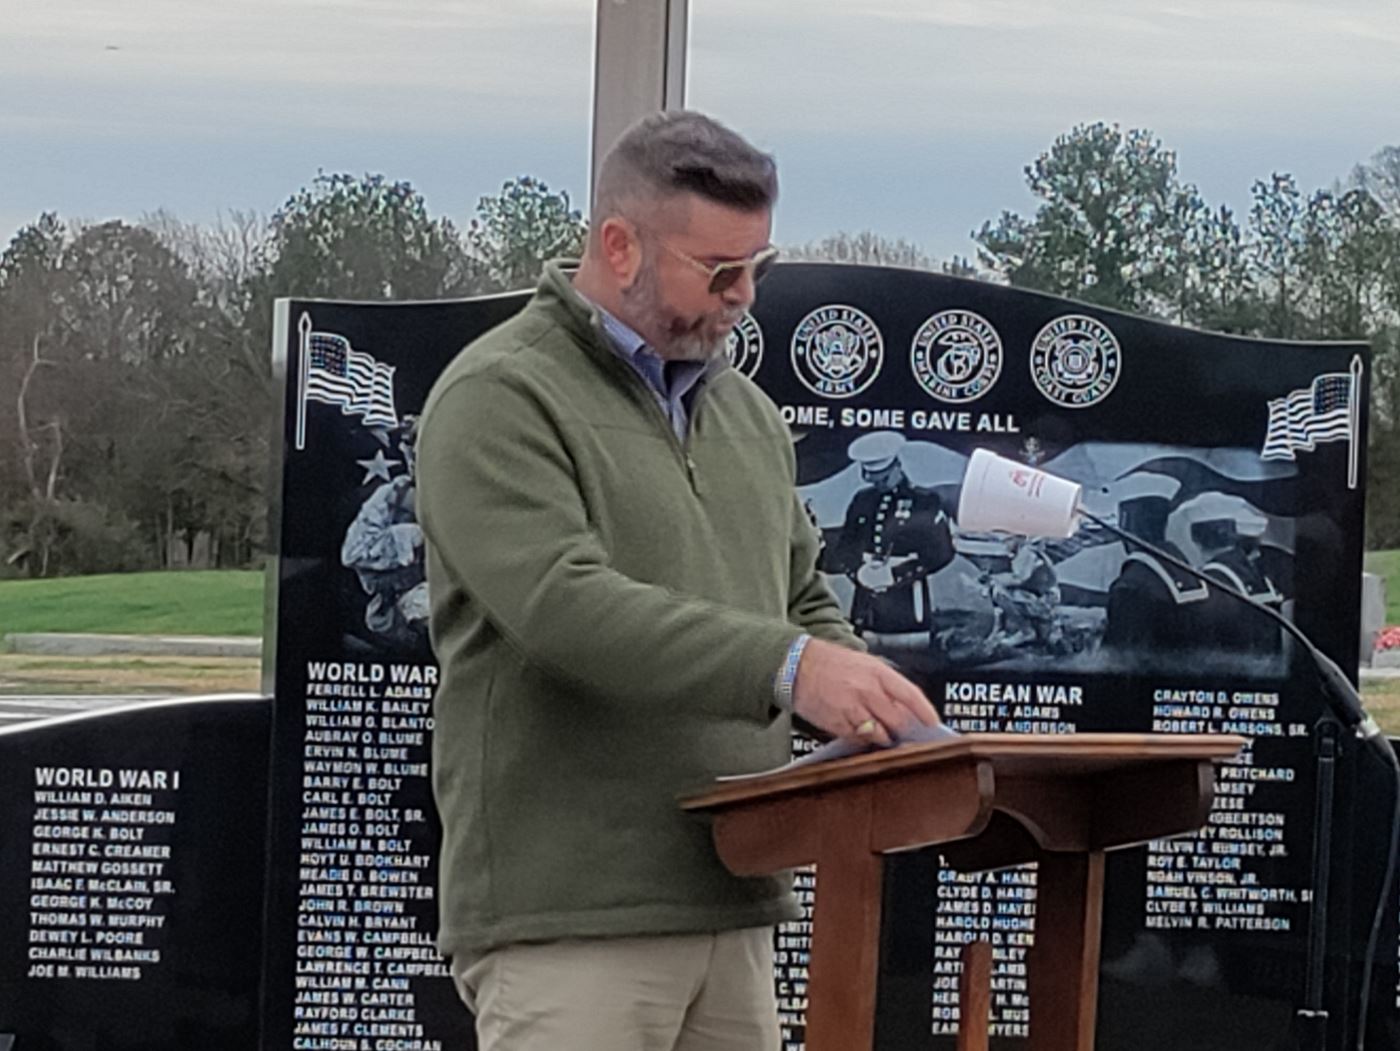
<point>151,898</point>
<point>1242,455</point>
<point>132,854</point>
<point>1245,457</point>
<point>349,963</point>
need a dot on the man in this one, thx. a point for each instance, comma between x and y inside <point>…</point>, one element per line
<point>1152,605</point>
<point>894,537</point>
<point>1227,625</point>
<point>1025,597</point>
<point>624,601</point>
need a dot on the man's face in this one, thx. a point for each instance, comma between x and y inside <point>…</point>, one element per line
<point>882,478</point>
<point>669,301</point>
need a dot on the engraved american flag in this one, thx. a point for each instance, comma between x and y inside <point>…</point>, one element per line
<point>338,374</point>
<point>1307,417</point>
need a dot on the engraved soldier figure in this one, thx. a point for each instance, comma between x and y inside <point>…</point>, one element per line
<point>1025,597</point>
<point>1226,560</point>
<point>894,537</point>
<point>384,546</point>
<point>1152,606</point>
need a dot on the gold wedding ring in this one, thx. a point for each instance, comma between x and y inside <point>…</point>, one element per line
<point>866,728</point>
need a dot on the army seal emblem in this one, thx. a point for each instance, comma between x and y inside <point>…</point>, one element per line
<point>837,351</point>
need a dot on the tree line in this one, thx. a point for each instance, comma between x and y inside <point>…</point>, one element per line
<point>1117,226</point>
<point>138,357</point>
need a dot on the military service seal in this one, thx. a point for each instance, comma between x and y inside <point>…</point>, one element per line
<point>837,351</point>
<point>1075,361</point>
<point>745,346</point>
<point>956,356</point>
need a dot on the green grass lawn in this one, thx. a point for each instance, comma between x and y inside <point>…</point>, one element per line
<point>230,603</point>
<point>1387,565</point>
<point>176,603</point>
<point>1382,700</point>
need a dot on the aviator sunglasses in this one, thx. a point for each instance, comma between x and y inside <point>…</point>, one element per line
<point>724,276</point>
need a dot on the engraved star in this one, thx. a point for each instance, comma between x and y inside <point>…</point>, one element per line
<point>379,467</point>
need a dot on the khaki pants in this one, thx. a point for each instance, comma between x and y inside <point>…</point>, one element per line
<point>690,992</point>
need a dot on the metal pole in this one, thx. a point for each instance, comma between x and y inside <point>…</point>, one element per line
<point>639,66</point>
<point>1310,1020</point>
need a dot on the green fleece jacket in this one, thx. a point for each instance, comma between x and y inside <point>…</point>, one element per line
<point>610,606</point>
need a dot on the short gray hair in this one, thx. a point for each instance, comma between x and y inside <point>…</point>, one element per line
<point>681,151</point>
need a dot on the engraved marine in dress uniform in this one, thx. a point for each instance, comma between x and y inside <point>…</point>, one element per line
<point>894,537</point>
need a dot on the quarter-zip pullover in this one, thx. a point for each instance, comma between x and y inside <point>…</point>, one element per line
<point>609,606</point>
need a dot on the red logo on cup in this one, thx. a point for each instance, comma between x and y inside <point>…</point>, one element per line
<point>1031,481</point>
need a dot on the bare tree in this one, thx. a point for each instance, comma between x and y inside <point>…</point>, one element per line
<point>1380,177</point>
<point>41,454</point>
<point>221,257</point>
<point>865,246</point>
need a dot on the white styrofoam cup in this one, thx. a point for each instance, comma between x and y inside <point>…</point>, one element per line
<point>1001,494</point>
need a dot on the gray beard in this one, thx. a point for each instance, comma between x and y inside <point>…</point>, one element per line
<point>643,300</point>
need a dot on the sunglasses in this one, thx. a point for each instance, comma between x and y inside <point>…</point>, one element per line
<point>724,276</point>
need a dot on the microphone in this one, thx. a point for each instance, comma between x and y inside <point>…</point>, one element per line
<point>1001,495</point>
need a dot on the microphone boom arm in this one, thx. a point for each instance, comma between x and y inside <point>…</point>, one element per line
<point>1345,701</point>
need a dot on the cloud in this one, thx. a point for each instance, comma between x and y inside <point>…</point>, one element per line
<point>1016,65</point>
<point>912,117</point>
<point>285,63</point>
<point>904,66</point>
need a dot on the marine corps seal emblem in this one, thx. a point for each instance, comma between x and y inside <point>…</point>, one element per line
<point>837,351</point>
<point>1075,361</point>
<point>956,356</point>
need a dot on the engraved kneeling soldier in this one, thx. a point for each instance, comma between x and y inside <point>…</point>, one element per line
<point>894,537</point>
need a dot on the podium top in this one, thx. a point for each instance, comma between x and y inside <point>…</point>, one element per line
<point>1064,755</point>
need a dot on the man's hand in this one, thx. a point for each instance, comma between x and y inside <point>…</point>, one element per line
<point>855,695</point>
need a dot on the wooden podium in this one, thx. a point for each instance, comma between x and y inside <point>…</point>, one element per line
<point>987,801</point>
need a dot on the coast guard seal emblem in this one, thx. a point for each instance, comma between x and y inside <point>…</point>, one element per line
<point>956,356</point>
<point>745,346</point>
<point>1075,361</point>
<point>837,351</point>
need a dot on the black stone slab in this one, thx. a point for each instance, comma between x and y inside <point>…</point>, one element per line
<point>1204,939</point>
<point>132,853</point>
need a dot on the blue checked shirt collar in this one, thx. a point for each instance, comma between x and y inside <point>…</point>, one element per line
<point>669,385</point>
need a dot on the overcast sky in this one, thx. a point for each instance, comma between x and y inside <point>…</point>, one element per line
<point>913,118</point>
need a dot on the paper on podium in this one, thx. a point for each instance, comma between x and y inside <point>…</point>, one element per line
<point>842,747</point>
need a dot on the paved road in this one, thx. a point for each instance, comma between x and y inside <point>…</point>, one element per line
<point>20,708</point>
